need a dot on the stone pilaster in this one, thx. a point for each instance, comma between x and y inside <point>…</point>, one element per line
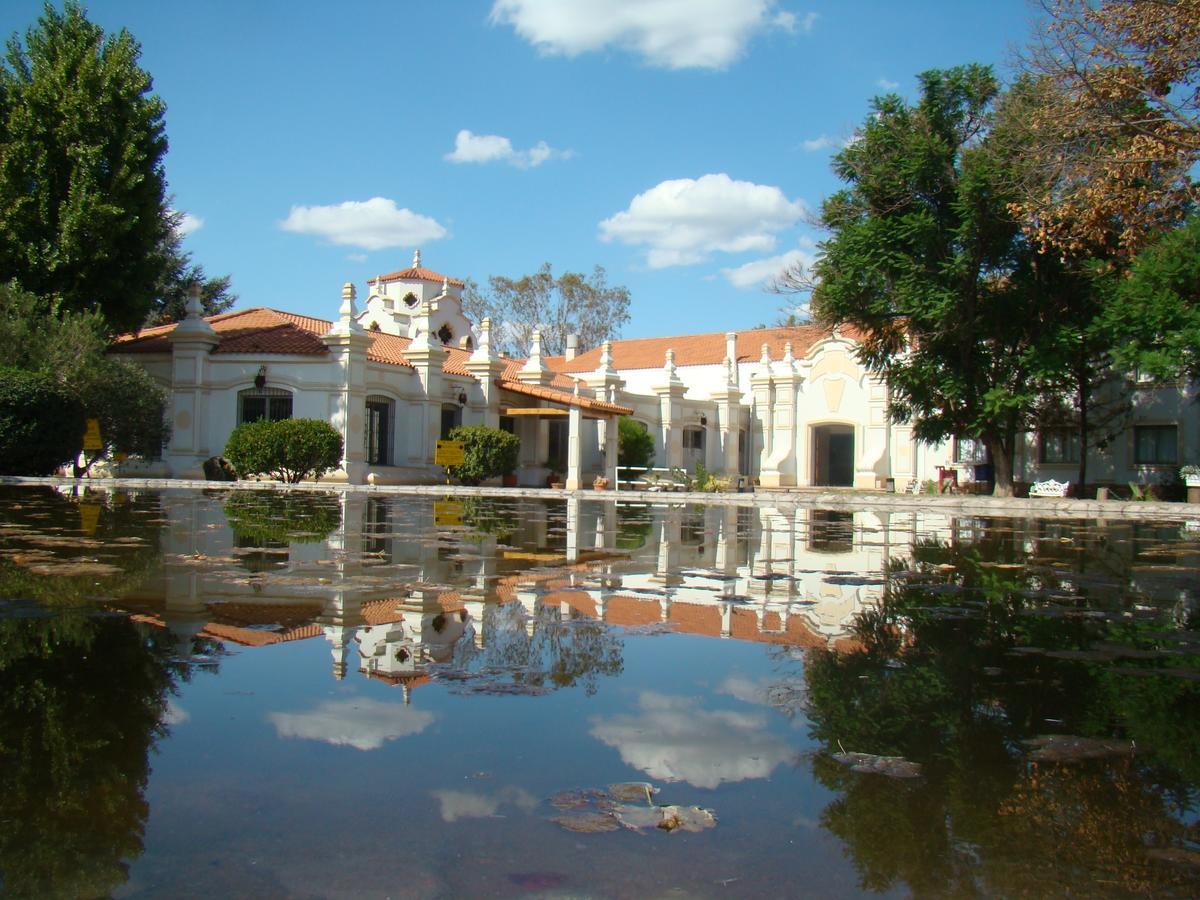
<point>348,343</point>
<point>486,366</point>
<point>670,392</point>
<point>192,340</point>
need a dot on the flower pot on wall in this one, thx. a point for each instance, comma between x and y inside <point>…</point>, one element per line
<point>509,480</point>
<point>600,484</point>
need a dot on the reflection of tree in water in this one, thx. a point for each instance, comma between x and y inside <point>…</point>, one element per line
<point>82,701</point>
<point>559,653</point>
<point>266,518</point>
<point>946,680</point>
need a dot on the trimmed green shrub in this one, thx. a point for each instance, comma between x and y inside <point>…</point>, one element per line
<point>282,517</point>
<point>41,424</point>
<point>635,446</point>
<point>288,449</point>
<point>487,452</point>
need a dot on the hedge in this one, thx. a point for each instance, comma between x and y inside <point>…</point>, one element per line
<point>288,449</point>
<point>41,424</point>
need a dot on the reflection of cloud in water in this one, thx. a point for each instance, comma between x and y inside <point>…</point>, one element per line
<point>477,805</point>
<point>359,722</point>
<point>673,739</point>
<point>746,689</point>
<point>174,713</point>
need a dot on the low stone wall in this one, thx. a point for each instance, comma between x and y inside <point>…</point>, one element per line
<point>954,504</point>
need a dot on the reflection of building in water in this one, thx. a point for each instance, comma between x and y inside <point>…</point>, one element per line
<point>392,593</point>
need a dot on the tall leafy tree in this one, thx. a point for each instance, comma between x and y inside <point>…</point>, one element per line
<point>572,303</point>
<point>926,262</point>
<point>1116,129</point>
<point>82,187</point>
<point>179,273</point>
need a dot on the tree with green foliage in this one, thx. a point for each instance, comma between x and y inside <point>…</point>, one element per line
<point>82,187</point>
<point>180,272</point>
<point>287,449</point>
<point>70,349</point>
<point>635,446</point>
<point>1156,309</point>
<point>487,453</point>
<point>948,300</point>
<point>41,424</point>
<point>573,303</point>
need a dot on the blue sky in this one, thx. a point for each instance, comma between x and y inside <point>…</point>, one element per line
<point>678,143</point>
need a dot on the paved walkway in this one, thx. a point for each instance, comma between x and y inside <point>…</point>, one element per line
<point>964,504</point>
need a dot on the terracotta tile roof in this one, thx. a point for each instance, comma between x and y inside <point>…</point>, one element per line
<point>251,637</point>
<point>564,396</point>
<point>419,274</point>
<point>272,331</point>
<point>698,349</point>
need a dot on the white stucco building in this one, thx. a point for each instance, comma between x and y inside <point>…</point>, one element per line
<point>786,406</point>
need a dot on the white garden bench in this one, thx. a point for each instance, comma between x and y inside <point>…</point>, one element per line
<point>1049,488</point>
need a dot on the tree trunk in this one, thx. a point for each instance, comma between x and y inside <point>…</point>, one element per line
<point>1002,466</point>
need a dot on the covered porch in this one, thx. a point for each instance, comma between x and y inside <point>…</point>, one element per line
<point>561,432</point>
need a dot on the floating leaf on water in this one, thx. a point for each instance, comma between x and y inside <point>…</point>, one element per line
<point>1071,748</point>
<point>565,800</point>
<point>686,818</point>
<point>869,763</point>
<point>632,791</point>
<point>587,822</point>
<point>1175,855</point>
<point>637,818</point>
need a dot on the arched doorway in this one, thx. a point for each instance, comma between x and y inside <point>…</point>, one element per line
<point>833,455</point>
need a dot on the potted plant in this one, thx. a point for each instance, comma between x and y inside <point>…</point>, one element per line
<point>1190,475</point>
<point>555,478</point>
<point>600,483</point>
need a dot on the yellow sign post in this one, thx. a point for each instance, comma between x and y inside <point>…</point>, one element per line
<point>91,436</point>
<point>448,453</point>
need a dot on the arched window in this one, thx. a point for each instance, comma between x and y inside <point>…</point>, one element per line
<point>264,403</point>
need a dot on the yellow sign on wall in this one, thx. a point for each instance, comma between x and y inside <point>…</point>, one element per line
<point>91,436</point>
<point>448,453</point>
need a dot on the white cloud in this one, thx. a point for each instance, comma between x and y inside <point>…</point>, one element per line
<point>355,722</point>
<point>476,805</point>
<point>760,272</point>
<point>356,257</point>
<point>681,222</point>
<point>888,85</point>
<point>819,143</point>
<point>485,148</point>
<point>674,34</point>
<point>188,224</point>
<point>674,739</point>
<point>370,224</point>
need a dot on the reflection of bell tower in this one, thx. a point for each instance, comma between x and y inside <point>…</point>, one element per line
<point>340,620</point>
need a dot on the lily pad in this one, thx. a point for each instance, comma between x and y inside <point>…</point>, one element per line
<point>1070,748</point>
<point>870,764</point>
<point>686,818</point>
<point>587,822</point>
<point>637,818</point>
<point>632,791</point>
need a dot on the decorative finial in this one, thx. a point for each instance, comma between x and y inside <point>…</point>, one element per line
<point>606,359</point>
<point>669,363</point>
<point>349,294</point>
<point>446,286</point>
<point>788,359</point>
<point>416,259</point>
<point>765,359</point>
<point>576,380</point>
<point>193,301</point>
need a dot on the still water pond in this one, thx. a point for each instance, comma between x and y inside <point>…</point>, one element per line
<point>319,695</point>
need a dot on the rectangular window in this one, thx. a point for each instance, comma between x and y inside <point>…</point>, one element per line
<point>509,424</point>
<point>377,433</point>
<point>451,418</point>
<point>264,403</point>
<point>1155,445</point>
<point>970,450</point>
<point>1058,445</point>
<point>556,450</point>
<point>693,439</point>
